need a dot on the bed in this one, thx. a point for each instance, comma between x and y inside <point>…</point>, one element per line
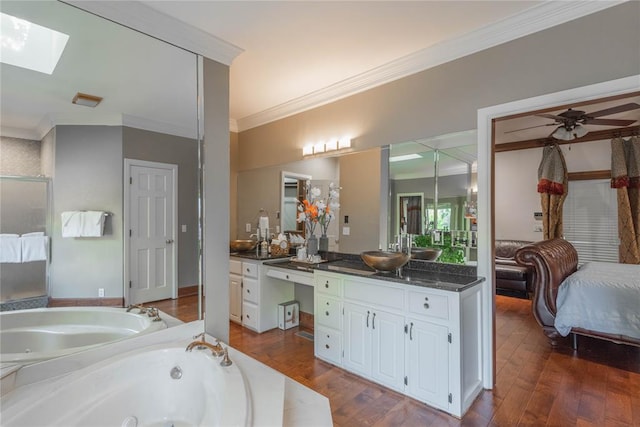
<point>600,300</point>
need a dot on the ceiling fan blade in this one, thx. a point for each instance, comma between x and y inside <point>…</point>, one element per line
<point>551,116</point>
<point>609,122</point>
<point>614,110</point>
<point>530,127</point>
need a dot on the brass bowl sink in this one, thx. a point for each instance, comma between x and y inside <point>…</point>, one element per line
<point>426,254</point>
<point>242,245</point>
<point>385,261</point>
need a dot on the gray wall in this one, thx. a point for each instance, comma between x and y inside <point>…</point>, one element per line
<point>88,176</point>
<point>158,147</point>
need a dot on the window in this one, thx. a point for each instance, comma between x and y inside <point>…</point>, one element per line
<point>590,218</point>
<point>444,216</point>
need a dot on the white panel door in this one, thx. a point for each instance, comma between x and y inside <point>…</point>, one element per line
<point>151,235</point>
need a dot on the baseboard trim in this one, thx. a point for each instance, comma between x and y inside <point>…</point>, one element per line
<point>186,291</point>
<point>86,302</point>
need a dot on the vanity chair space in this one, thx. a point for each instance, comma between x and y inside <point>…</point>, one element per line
<point>253,296</point>
<point>421,341</point>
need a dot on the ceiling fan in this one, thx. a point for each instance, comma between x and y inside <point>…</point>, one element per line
<point>570,124</point>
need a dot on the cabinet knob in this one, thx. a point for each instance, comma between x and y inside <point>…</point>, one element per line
<point>426,298</point>
<point>326,285</point>
<point>426,305</point>
<point>248,291</point>
<point>327,302</point>
<point>248,317</point>
<point>287,277</point>
<point>326,312</point>
<point>326,345</point>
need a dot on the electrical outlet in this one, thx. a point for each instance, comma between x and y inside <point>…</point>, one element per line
<point>247,227</point>
<point>101,292</point>
<point>184,228</point>
<point>346,231</point>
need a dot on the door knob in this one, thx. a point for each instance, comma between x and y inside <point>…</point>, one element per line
<point>169,241</point>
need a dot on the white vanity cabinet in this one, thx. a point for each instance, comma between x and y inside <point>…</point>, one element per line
<point>260,296</point>
<point>328,317</point>
<point>423,342</point>
<point>235,291</point>
<point>374,332</point>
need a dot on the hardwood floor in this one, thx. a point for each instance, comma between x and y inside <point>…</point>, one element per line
<point>535,384</point>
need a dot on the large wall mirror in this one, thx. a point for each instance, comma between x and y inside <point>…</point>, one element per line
<point>433,194</point>
<point>148,115</point>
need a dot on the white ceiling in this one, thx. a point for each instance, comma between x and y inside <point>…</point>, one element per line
<point>294,55</point>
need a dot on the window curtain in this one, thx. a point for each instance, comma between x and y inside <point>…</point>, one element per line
<point>552,186</point>
<point>625,178</point>
<point>414,217</point>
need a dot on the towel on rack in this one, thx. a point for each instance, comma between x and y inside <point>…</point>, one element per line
<point>83,223</point>
<point>71,223</point>
<point>92,223</point>
<point>34,247</point>
<point>10,248</point>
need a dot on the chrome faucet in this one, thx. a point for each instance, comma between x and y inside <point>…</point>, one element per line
<point>216,349</point>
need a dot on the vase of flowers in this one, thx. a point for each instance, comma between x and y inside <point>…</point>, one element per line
<point>318,209</point>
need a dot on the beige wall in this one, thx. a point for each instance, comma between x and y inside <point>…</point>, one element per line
<point>446,98</point>
<point>360,200</point>
<point>233,185</point>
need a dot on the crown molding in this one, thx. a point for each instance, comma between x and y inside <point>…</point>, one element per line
<point>538,18</point>
<point>144,19</point>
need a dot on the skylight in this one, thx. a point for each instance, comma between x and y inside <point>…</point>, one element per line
<point>28,45</point>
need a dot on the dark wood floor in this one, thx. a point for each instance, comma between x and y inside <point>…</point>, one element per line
<point>535,385</point>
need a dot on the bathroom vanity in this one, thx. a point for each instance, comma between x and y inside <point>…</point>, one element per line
<point>421,338</point>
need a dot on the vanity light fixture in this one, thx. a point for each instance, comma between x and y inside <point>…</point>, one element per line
<point>330,146</point>
<point>86,100</point>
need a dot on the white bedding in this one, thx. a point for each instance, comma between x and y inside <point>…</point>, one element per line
<point>602,297</point>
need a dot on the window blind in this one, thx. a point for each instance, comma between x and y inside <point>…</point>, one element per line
<point>590,218</point>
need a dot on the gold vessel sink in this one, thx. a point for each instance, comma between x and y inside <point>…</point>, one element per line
<point>384,260</point>
<point>242,245</point>
<point>426,254</point>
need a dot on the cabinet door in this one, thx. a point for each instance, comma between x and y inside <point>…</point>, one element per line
<point>387,349</point>
<point>428,363</point>
<point>357,338</point>
<point>235,298</point>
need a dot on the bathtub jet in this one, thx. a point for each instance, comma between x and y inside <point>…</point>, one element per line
<point>28,336</point>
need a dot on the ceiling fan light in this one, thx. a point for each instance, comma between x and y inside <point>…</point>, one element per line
<point>563,134</point>
<point>579,131</point>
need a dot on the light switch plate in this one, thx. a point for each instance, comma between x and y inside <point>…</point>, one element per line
<point>346,231</point>
<point>184,228</point>
<point>247,227</point>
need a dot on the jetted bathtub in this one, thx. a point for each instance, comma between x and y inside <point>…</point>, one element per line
<point>152,387</point>
<point>33,335</point>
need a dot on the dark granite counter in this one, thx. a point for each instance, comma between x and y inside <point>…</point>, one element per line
<point>416,273</point>
<point>255,256</point>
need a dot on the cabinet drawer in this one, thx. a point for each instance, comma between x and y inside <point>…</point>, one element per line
<point>328,345</point>
<point>250,290</point>
<point>250,315</point>
<point>329,285</point>
<point>428,304</point>
<point>328,312</point>
<point>249,270</point>
<point>235,266</point>
<point>365,292</point>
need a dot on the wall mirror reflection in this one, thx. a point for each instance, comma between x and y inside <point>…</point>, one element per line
<point>293,192</point>
<point>147,116</point>
<point>433,187</point>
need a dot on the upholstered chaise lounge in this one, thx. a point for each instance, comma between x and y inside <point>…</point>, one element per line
<point>512,279</point>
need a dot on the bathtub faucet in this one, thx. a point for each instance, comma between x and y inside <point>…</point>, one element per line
<point>149,311</point>
<point>216,349</point>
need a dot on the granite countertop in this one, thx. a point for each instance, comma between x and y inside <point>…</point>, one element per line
<point>255,256</point>
<point>416,273</point>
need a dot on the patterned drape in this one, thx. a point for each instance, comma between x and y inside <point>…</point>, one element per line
<point>552,186</point>
<point>414,215</point>
<point>625,178</point>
